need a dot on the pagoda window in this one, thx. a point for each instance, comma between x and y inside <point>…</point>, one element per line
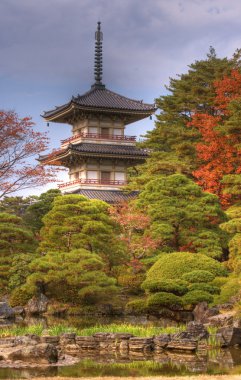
<point>92,174</point>
<point>105,177</point>
<point>93,130</point>
<point>119,176</point>
<point>117,132</point>
<point>105,132</point>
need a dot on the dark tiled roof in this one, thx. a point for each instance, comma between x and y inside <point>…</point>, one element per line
<point>102,98</point>
<point>108,99</point>
<point>109,196</point>
<point>110,149</point>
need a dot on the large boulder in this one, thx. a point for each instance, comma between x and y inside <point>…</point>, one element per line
<point>6,312</point>
<point>43,353</point>
<point>202,312</point>
<point>221,320</point>
<point>37,305</point>
<point>231,335</point>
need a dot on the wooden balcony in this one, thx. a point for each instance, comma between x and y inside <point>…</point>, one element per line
<point>97,136</point>
<point>86,181</point>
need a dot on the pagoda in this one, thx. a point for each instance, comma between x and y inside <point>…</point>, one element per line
<point>98,153</point>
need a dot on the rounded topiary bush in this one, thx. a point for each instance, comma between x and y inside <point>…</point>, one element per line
<point>195,296</point>
<point>219,281</point>
<point>178,287</point>
<point>183,274</point>
<point>136,307</point>
<point>198,276</point>
<point>205,287</point>
<point>160,299</point>
<point>174,265</point>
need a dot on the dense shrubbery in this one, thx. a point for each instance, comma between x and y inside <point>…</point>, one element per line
<point>195,296</point>
<point>137,307</point>
<point>198,276</point>
<point>197,272</point>
<point>177,287</point>
<point>169,300</point>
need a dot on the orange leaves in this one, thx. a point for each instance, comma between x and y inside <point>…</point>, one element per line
<point>218,152</point>
<point>134,230</point>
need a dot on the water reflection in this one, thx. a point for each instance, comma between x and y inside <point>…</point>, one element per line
<point>168,363</point>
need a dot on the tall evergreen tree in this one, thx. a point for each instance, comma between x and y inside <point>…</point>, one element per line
<point>183,216</point>
<point>15,240</point>
<point>171,141</point>
<point>76,222</point>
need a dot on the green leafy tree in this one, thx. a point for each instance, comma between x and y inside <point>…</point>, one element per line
<point>15,241</point>
<point>76,222</point>
<point>183,216</point>
<point>182,278</point>
<point>76,276</point>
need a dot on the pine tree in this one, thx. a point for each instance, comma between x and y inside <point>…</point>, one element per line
<point>77,277</point>
<point>171,141</point>
<point>183,217</point>
<point>15,240</point>
<point>76,222</point>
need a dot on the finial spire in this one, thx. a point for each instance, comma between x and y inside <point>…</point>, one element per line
<point>98,56</point>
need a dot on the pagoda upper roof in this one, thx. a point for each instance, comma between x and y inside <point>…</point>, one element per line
<point>99,98</point>
<point>96,150</point>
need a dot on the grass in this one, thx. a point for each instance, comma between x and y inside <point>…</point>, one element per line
<point>140,331</point>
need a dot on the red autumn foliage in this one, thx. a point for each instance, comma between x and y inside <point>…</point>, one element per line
<point>134,231</point>
<point>19,145</point>
<point>218,152</point>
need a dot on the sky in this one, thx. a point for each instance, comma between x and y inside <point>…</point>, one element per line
<point>47,50</point>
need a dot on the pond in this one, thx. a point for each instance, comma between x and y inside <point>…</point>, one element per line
<point>169,364</point>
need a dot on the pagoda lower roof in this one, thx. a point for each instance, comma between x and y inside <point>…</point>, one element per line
<point>100,99</point>
<point>109,196</point>
<point>110,149</point>
<point>97,150</point>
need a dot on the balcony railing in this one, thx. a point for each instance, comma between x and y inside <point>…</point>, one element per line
<point>85,181</point>
<point>97,136</point>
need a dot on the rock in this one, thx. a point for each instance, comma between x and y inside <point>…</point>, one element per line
<point>161,342</point>
<point>18,310</point>
<point>37,305</point>
<point>202,312</point>
<point>221,320</point>
<point>141,344</point>
<point>86,343</point>
<point>42,353</point>
<point>67,338</point>
<point>6,312</point>
<point>50,339</point>
<point>196,330</point>
<point>231,335</point>
<point>182,344</point>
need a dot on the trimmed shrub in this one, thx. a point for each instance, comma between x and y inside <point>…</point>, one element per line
<point>205,287</point>
<point>132,282</point>
<point>157,300</point>
<point>230,291</point>
<point>178,287</point>
<point>198,276</point>
<point>19,297</point>
<point>136,307</point>
<point>219,281</point>
<point>195,296</point>
<point>174,265</point>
